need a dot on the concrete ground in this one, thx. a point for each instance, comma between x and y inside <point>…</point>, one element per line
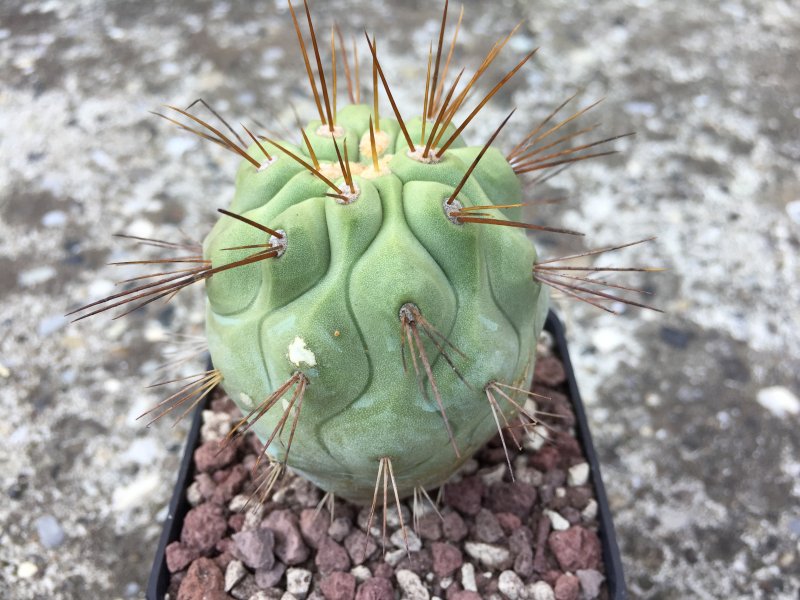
<point>695,412</point>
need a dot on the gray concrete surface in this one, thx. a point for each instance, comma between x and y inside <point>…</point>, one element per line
<point>695,412</point>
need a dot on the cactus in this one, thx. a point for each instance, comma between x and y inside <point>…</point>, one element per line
<point>361,281</point>
<point>373,299</point>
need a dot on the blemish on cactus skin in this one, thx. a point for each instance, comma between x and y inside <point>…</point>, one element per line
<point>246,401</point>
<point>299,353</point>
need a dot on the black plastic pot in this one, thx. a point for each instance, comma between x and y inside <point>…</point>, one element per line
<point>178,506</point>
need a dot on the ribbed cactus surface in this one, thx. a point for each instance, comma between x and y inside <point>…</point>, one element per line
<point>330,309</point>
<point>373,299</point>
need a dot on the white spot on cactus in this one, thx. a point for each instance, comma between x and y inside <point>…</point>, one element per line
<point>246,401</point>
<point>299,353</point>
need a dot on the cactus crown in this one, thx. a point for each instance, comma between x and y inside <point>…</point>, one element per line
<point>373,300</point>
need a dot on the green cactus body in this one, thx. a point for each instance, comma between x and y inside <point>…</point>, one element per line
<point>329,306</point>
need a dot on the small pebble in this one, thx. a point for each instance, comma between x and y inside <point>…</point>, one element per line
<point>508,522</point>
<point>399,540</point>
<point>238,503</point>
<point>607,339</point>
<point>446,559</point>
<point>468,577</point>
<point>253,517</point>
<point>331,556</point>
<point>298,582</point>
<point>546,458</point>
<point>255,548</point>
<point>566,587</point>
<point>35,276</point>
<point>590,512</point>
<point>193,495</point>
<point>214,455</point>
<point>245,589</point>
<point>50,532</point>
<point>234,573</point>
<point>487,527</point>
<point>26,570</point>
<point>523,563</point>
<point>578,474</point>
<point>540,591</point>
<point>493,475</point>
<point>289,545</point>
<point>50,325</point>
<point>489,555</point>
<point>465,495</point>
<point>54,218</point>
<point>779,401</point>
<point>359,546</point>
<point>339,529</point>
<point>266,578</point>
<point>361,573</point>
<point>590,581</point>
<point>338,586</point>
<point>430,527</point>
<point>204,526</point>
<point>393,557</point>
<point>516,498</point>
<point>511,586</point>
<point>375,588</point>
<point>363,521</point>
<point>136,493</point>
<point>393,519</point>
<point>557,522</point>
<point>412,586</point>
<point>215,425</point>
<point>202,580</point>
<point>179,556</point>
<point>142,451</point>
<point>575,548</point>
<point>313,525</point>
<point>793,210</point>
<point>453,527</point>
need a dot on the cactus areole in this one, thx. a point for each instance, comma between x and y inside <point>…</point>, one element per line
<point>359,286</point>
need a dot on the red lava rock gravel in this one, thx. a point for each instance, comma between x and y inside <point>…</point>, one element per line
<point>533,537</point>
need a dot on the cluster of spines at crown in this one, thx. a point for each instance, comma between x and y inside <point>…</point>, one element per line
<point>546,150</point>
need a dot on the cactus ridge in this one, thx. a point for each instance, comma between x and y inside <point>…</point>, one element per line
<point>373,300</point>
